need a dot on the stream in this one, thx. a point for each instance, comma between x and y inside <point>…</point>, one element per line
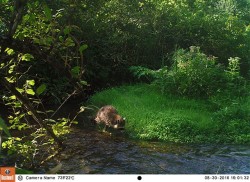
<point>93,152</point>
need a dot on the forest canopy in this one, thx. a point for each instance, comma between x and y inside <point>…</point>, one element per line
<point>120,34</point>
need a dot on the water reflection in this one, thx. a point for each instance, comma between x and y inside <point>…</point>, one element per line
<point>95,152</point>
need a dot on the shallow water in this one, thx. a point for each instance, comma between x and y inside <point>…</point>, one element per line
<point>93,152</point>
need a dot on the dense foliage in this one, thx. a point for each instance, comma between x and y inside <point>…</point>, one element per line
<point>53,51</point>
<point>194,74</point>
<point>37,64</point>
<point>120,34</point>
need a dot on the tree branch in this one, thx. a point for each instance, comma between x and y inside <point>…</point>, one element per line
<point>19,6</point>
<point>30,108</point>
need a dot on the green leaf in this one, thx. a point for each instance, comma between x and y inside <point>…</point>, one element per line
<point>4,127</point>
<point>11,68</point>
<point>9,51</point>
<point>61,38</point>
<point>83,47</point>
<point>30,92</point>
<point>13,97</point>
<point>47,12</point>
<point>20,90</point>
<point>84,83</point>
<point>69,42</point>
<point>17,105</point>
<point>41,89</point>
<point>66,31</point>
<point>18,139</point>
<point>74,122</point>
<point>30,82</point>
<point>27,57</point>
<point>75,71</point>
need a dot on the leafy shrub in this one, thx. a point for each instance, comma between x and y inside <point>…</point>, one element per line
<point>235,88</point>
<point>30,148</point>
<point>194,74</point>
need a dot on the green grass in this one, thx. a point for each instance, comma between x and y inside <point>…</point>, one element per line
<point>152,116</point>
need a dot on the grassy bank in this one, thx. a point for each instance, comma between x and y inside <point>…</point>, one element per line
<point>150,115</point>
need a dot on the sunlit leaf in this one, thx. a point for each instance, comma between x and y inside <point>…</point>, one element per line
<point>11,69</point>
<point>27,57</point>
<point>18,105</point>
<point>13,97</point>
<point>18,139</point>
<point>84,83</point>
<point>10,51</point>
<point>30,92</point>
<point>74,122</point>
<point>10,79</point>
<point>20,90</point>
<point>30,82</point>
